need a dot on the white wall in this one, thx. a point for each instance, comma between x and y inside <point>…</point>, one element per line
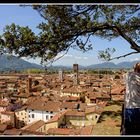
<point>39,115</point>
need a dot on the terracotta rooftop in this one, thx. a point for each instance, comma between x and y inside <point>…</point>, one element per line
<point>45,106</point>
<point>3,103</point>
<point>70,131</point>
<point>69,105</point>
<point>13,131</point>
<point>87,130</point>
<point>3,127</point>
<point>34,126</point>
<point>75,113</point>
<point>73,98</point>
<point>23,108</point>
<point>99,111</point>
<point>22,95</point>
<point>74,89</point>
<point>59,131</point>
<point>28,132</point>
<point>90,110</point>
<point>7,112</point>
<point>102,104</point>
<point>36,99</point>
<point>56,117</point>
<point>117,90</point>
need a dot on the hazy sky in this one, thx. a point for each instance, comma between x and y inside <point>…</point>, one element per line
<point>29,17</point>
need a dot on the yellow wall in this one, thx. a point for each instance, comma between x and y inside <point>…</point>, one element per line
<point>90,119</point>
<point>23,100</point>
<point>93,117</point>
<point>51,125</point>
<point>87,100</point>
<point>55,124</point>
<point>21,116</point>
<point>70,94</point>
<point>42,129</point>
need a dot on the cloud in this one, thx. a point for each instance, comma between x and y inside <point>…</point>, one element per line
<point>71,57</point>
<point>77,57</point>
<point>134,59</point>
<point>85,58</point>
<point>68,55</point>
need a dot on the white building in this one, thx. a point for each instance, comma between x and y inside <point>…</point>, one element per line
<point>42,111</point>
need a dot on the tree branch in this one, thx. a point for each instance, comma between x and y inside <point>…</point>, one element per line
<point>66,51</point>
<point>123,55</point>
<point>128,39</point>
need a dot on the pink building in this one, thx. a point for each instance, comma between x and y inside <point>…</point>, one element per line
<point>8,117</point>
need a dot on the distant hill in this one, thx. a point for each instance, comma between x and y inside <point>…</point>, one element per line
<point>127,64</point>
<point>102,65</point>
<point>121,65</point>
<point>14,63</point>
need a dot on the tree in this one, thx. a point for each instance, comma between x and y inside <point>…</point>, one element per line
<point>67,25</point>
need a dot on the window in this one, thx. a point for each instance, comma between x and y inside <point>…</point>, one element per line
<point>51,116</point>
<point>21,113</point>
<point>47,117</point>
<point>29,116</point>
<point>32,110</point>
<point>47,111</point>
<point>33,115</point>
<point>96,117</point>
<point>51,112</point>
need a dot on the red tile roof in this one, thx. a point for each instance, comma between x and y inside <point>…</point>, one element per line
<point>75,113</point>
<point>56,117</point>
<point>34,126</point>
<point>13,131</point>
<point>45,106</point>
<point>87,130</point>
<point>90,110</point>
<point>59,131</point>
<point>69,105</point>
<point>3,127</point>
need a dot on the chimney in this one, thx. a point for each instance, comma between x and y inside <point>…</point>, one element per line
<point>29,85</point>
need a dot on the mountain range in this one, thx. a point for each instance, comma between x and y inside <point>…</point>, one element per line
<point>14,63</point>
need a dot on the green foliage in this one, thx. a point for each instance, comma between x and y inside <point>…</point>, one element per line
<point>100,71</point>
<point>65,26</point>
<point>106,54</point>
<point>37,71</point>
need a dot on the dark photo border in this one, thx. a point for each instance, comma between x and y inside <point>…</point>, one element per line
<point>126,2</point>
